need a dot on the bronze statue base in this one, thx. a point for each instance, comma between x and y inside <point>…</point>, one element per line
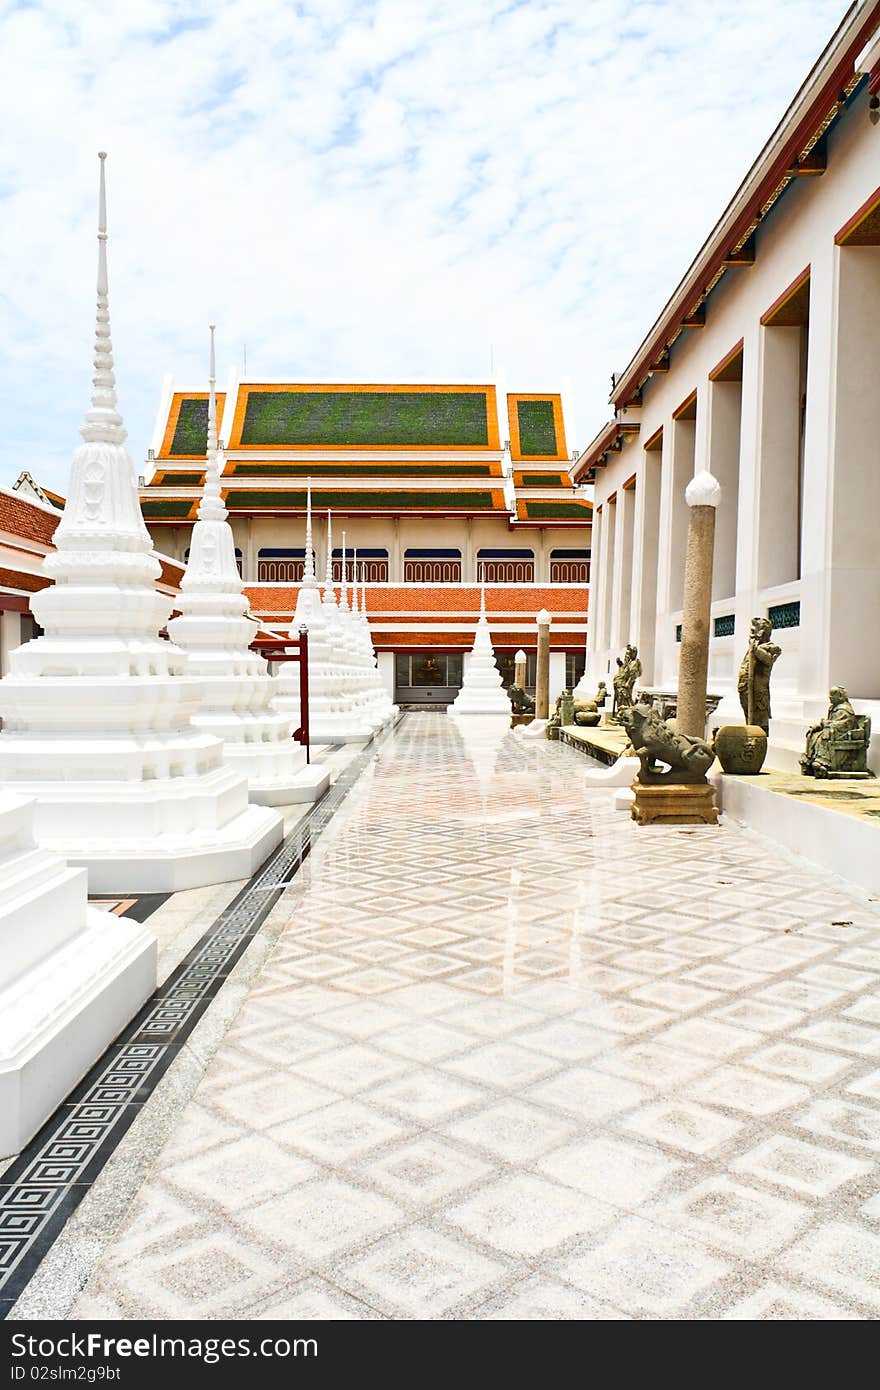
<point>672,804</point>
<point>521,719</point>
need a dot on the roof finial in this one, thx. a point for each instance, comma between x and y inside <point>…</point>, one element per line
<point>309,566</point>
<point>211,506</point>
<point>483,599</point>
<point>103,423</point>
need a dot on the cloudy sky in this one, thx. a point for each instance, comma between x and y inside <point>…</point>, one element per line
<point>385,190</point>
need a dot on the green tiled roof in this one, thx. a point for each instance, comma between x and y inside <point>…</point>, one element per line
<point>437,418</point>
<point>193,479</point>
<point>537,428</point>
<point>191,433</point>
<point>338,500</point>
<point>155,510</point>
<point>559,510</point>
<point>360,470</point>
<point>543,480</point>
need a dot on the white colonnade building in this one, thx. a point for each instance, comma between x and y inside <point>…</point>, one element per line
<point>763,369</point>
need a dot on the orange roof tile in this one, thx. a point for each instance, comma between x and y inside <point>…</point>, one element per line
<point>22,518</point>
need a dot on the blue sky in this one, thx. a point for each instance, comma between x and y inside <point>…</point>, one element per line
<point>365,189</point>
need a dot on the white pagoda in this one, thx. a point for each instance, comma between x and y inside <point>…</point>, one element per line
<point>215,630</point>
<point>71,977</point>
<point>482,691</point>
<point>97,711</point>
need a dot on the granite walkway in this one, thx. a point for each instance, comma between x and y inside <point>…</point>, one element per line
<point>513,1057</point>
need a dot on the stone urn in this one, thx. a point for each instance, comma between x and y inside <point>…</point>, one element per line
<point>740,748</point>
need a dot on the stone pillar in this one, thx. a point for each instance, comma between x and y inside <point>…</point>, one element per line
<point>10,637</point>
<point>702,496</point>
<point>542,679</point>
<point>520,667</point>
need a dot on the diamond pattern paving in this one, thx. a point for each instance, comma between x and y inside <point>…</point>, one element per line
<point>513,1057</point>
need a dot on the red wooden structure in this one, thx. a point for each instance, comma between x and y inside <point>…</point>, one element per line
<point>292,649</point>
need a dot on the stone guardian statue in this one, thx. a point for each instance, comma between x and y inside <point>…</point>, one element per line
<point>753,684</point>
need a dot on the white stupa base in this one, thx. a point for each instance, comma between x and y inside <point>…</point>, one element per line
<point>488,705</point>
<point>133,838</point>
<point>308,785</point>
<point>620,774</point>
<point>71,978</point>
<point>533,730</point>
<point>624,798</point>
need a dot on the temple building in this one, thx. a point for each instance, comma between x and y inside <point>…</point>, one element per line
<point>762,367</point>
<point>439,489</point>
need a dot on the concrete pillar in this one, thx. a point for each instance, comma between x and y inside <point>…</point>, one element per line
<point>623,576</point>
<point>520,666</point>
<point>594,618</point>
<point>396,566</point>
<point>557,674</point>
<point>542,678</point>
<point>702,497</point>
<point>646,532</point>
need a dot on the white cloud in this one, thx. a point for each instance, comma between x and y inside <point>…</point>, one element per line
<point>384,189</point>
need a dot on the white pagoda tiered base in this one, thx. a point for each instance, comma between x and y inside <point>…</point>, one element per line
<point>482,690</point>
<point>97,711</point>
<point>71,977</point>
<point>215,631</point>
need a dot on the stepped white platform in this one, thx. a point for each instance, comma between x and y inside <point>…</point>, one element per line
<point>71,977</point>
<point>482,691</point>
<point>215,630</point>
<point>97,711</point>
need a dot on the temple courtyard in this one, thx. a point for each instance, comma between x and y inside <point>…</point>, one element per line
<point>493,1052</point>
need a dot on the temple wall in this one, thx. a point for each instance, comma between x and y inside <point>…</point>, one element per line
<point>795,444</point>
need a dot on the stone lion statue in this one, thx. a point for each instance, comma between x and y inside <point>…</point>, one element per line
<point>665,756</point>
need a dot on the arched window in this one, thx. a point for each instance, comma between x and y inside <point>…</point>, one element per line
<point>432,567</point>
<point>280,566</point>
<point>372,565</point>
<point>569,566</point>
<point>506,566</point>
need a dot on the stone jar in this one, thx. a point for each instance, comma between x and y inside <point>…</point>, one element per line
<point>740,749</point>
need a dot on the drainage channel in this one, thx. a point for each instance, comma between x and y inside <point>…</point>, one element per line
<point>44,1185</point>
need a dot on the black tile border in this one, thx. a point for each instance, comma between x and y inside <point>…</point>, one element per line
<point>44,1185</point>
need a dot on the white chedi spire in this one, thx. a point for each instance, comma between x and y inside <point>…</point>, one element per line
<point>96,717</point>
<point>215,629</point>
<point>333,715</point>
<point>482,690</point>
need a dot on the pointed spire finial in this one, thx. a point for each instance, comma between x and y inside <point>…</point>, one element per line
<point>483,599</point>
<point>309,567</point>
<point>103,423</point>
<point>211,506</point>
<point>328,575</point>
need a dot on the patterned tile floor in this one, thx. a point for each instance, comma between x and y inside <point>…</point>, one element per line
<point>514,1057</point>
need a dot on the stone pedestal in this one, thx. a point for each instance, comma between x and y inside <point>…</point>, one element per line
<point>674,805</point>
<point>71,977</point>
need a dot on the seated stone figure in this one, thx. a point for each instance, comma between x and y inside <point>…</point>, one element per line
<point>838,745</point>
<point>520,701</point>
<point>586,713</point>
<point>561,716</point>
<point>687,759</point>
